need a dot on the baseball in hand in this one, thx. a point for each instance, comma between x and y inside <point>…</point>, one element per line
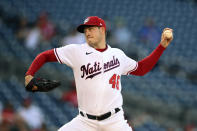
<point>168,34</point>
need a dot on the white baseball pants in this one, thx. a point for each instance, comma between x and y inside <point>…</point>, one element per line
<point>116,122</point>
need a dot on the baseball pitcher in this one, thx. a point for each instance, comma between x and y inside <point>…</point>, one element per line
<point>97,71</point>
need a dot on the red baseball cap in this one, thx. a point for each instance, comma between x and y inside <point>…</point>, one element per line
<point>91,21</point>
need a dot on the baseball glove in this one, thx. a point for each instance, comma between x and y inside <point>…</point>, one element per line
<point>43,85</point>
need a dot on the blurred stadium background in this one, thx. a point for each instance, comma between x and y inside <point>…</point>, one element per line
<point>163,100</point>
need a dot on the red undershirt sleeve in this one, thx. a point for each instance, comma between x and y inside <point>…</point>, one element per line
<point>40,60</point>
<point>145,65</point>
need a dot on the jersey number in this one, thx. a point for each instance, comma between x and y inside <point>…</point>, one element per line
<point>114,80</point>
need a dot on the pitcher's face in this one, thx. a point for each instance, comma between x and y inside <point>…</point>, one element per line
<point>93,35</point>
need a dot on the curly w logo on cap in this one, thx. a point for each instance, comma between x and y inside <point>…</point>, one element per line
<point>91,21</point>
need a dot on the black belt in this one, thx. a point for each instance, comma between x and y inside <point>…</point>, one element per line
<point>101,117</point>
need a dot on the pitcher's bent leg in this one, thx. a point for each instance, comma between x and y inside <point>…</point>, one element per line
<point>116,123</point>
<point>79,124</point>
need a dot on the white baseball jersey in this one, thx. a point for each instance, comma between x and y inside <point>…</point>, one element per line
<point>97,75</point>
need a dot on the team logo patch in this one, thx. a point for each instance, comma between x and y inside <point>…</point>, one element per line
<point>86,20</point>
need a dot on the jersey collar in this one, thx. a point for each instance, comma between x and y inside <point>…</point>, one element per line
<point>99,50</point>
<point>102,50</point>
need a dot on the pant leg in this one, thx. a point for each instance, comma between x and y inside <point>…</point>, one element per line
<point>79,123</point>
<point>116,123</point>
